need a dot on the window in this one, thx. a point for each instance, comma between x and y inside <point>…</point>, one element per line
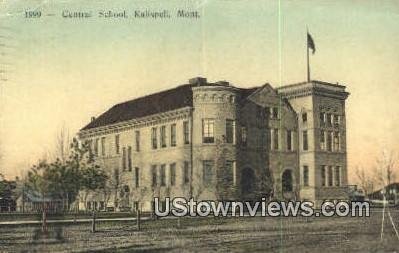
<point>173,135</point>
<point>208,130</point>
<point>275,113</point>
<point>163,137</point>
<point>123,158</point>
<point>129,158</point>
<point>230,176</point>
<point>286,181</point>
<point>137,133</point>
<point>323,175</point>
<point>96,147</point>
<point>336,120</point>
<point>103,146</point>
<point>289,140</point>
<point>154,175</point>
<point>154,137</point>
<point>117,144</point>
<point>329,141</point>
<point>186,132</point>
<point>330,176</point>
<point>186,173</point>
<point>322,140</point>
<point>337,175</point>
<point>207,172</point>
<point>163,175</point>
<point>267,112</point>
<point>304,117</point>
<point>336,141</point>
<point>89,144</point>
<point>275,139</point>
<point>259,112</point>
<point>322,118</point>
<point>172,174</point>
<point>230,131</point>
<point>244,136</point>
<point>305,140</point>
<point>305,175</point>
<point>136,177</point>
<point>329,119</point>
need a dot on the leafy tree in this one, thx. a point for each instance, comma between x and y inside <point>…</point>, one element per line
<point>64,179</point>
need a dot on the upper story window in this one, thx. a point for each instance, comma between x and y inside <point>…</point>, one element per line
<point>137,134</point>
<point>123,158</point>
<point>322,118</point>
<point>96,147</point>
<point>163,174</point>
<point>275,139</point>
<point>305,175</point>
<point>337,175</point>
<point>173,135</point>
<point>336,120</point>
<point>244,136</point>
<point>103,146</point>
<point>136,177</point>
<point>329,141</point>
<point>129,158</point>
<point>322,140</point>
<point>289,140</point>
<point>275,113</point>
<point>230,131</point>
<point>154,175</point>
<point>305,143</point>
<point>207,172</point>
<point>323,175</point>
<point>117,147</point>
<point>172,174</point>
<point>208,130</point>
<point>336,141</point>
<point>329,119</point>
<point>330,176</point>
<point>186,172</point>
<point>186,132</point>
<point>163,137</point>
<point>230,175</point>
<point>154,138</point>
<point>304,117</point>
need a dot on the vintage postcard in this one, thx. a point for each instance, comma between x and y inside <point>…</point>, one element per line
<point>199,126</point>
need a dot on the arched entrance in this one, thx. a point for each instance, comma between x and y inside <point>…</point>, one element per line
<point>287,181</point>
<point>247,182</point>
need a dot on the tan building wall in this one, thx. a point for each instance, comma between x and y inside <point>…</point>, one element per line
<point>261,166</point>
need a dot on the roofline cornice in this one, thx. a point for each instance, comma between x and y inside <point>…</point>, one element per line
<point>154,119</point>
<point>307,91</point>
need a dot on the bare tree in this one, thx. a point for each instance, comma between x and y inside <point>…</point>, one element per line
<point>385,170</point>
<point>62,145</point>
<point>365,180</point>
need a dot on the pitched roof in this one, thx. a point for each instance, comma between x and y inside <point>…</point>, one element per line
<point>172,99</point>
<point>163,101</point>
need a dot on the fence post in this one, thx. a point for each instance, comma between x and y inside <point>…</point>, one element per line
<point>44,221</point>
<point>93,222</point>
<point>138,220</point>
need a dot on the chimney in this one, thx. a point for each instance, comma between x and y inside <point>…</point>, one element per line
<point>197,80</point>
<point>92,119</point>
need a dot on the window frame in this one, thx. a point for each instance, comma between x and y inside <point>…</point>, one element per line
<point>208,130</point>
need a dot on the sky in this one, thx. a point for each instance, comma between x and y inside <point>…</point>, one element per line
<point>60,72</point>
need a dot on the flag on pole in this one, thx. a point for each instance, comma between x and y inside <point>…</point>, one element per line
<point>311,43</point>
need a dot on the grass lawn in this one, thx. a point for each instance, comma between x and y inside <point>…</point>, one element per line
<point>247,234</point>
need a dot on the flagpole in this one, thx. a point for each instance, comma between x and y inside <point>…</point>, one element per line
<point>307,54</point>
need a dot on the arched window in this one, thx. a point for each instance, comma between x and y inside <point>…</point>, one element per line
<point>287,181</point>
